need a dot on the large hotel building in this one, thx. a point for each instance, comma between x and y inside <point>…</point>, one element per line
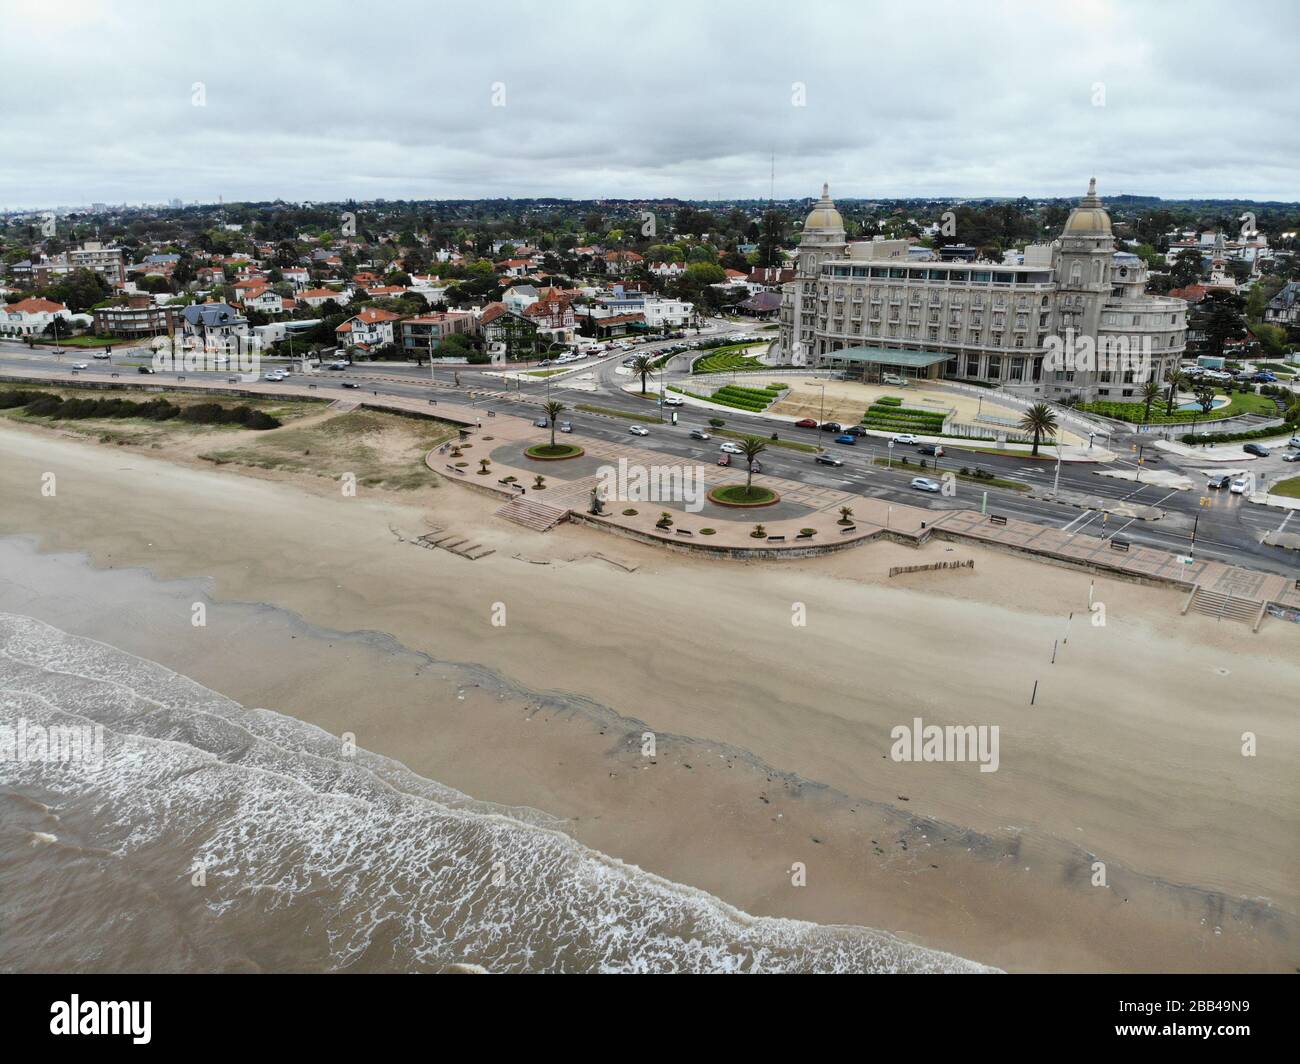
<point>869,308</point>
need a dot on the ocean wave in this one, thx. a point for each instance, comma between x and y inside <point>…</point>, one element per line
<point>261,842</point>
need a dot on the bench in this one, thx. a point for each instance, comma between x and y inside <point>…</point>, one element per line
<point>772,539</point>
<point>997,519</point>
<point>848,528</point>
<point>1119,544</point>
<point>685,532</point>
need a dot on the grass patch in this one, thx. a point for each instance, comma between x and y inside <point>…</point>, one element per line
<point>725,359</point>
<point>1135,413</point>
<point>610,411</point>
<point>551,452</point>
<point>1289,489</point>
<point>380,450</point>
<point>740,495</point>
<point>789,445</point>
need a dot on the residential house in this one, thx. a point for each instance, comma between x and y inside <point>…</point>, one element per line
<point>422,334</point>
<point>30,317</point>
<point>213,324</point>
<point>369,330</point>
<point>135,316</point>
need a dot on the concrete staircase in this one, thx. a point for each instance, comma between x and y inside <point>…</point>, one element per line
<point>539,516</point>
<point>1233,607</point>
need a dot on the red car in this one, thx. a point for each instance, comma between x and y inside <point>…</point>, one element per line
<point>806,423</point>
<point>724,459</point>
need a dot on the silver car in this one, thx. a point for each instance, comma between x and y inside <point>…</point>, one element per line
<point>925,484</point>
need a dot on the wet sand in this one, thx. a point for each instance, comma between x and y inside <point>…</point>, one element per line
<point>772,740</point>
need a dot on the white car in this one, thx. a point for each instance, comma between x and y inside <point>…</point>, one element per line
<point>925,484</point>
<point>674,400</point>
<point>731,448</point>
<point>906,437</point>
<point>1238,486</point>
<point>272,377</point>
<point>639,430</point>
<point>102,354</point>
<point>81,365</point>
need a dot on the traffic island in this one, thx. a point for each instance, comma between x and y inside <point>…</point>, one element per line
<point>739,496</point>
<point>558,452</point>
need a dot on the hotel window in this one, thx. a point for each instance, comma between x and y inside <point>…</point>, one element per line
<point>995,367</point>
<point>1017,369</point>
<point>997,339</point>
<point>952,335</point>
<point>973,337</point>
<point>972,366</point>
<point>1020,341</point>
<point>932,333</point>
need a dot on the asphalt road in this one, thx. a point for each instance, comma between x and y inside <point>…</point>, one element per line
<point>1230,529</point>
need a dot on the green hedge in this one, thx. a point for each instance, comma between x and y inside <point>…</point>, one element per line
<point>45,404</point>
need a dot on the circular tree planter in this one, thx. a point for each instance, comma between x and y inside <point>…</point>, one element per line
<point>736,496</point>
<point>544,452</point>
<point>708,531</point>
<point>630,512</point>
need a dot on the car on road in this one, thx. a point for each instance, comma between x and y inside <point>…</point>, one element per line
<point>565,426</point>
<point>1238,486</point>
<point>724,459</point>
<point>926,484</point>
<point>81,365</point>
<point>101,354</point>
<point>895,380</point>
<point>639,430</point>
<point>1219,480</point>
<point>272,376</point>
<point>144,369</point>
<point>674,400</point>
<point>541,423</point>
<point>855,430</point>
<point>847,438</point>
<point>935,449</point>
<point>350,384</point>
<point>906,437</point>
<point>1291,456</point>
<point>806,423</point>
<point>828,459</point>
<point>831,426</point>
<point>1263,378</point>
<point>699,434</point>
<point>1257,449</point>
<point>730,448</point>
<point>1294,441</point>
<point>756,466</point>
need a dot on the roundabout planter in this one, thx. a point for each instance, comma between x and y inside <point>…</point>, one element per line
<point>544,452</point>
<point>734,496</point>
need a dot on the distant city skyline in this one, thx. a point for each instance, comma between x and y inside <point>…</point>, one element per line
<point>142,101</point>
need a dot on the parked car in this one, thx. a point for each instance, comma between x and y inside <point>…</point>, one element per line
<point>1294,441</point>
<point>349,384</point>
<point>724,459</point>
<point>1257,449</point>
<point>935,449</point>
<point>699,434</point>
<point>847,438</point>
<point>730,448</point>
<point>925,484</point>
<point>1291,456</point>
<point>828,459</point>
<point>1263,378</point>
<point>639,430</point>
<point>906,437</point>
<point>831,426</point>
<point>1219,480</point>
<point>1239,486</point>
<point>565,426</point>
<point>895,380</point>
<point>806,423</point>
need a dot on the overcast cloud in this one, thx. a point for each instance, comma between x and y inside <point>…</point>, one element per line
<point>326,100</point>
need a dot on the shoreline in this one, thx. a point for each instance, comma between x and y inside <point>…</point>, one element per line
<point>808,762</point>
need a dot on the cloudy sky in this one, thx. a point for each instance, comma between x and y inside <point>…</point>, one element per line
<point>138,101</point>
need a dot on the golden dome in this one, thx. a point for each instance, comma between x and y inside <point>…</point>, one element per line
<point>1089,216</point>
<point>824,215</point>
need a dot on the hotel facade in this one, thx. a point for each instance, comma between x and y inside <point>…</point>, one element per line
<point>867,306</point>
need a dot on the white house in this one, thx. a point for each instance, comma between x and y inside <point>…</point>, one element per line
<point>370,329</point>
<point>30,317</point>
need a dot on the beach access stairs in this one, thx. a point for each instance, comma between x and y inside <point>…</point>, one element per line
<point>1233,607</point>
<point>531,513</point>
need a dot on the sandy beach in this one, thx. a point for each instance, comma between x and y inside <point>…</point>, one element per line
<point>771,739</point>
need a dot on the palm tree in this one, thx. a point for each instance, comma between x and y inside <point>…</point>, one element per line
<point>846,514</point>
<point>1041,421</point>
<point>1175,381</point>
<point>1150,393</point>
<point>553,410</point>
<point>751,447</point>
<point>644,365</point>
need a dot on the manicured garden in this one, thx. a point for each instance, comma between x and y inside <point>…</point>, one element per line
<point>752,400</point>
<point>1136,413</point>
<point>553,452</point>
<point>743,495</point>
<point>724,359</point>
<point>887,414</point>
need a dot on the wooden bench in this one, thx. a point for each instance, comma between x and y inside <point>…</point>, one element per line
<point>771,539</point>
<point>848,528</point>
<point>997,519</point>
<point>685,532</point>
<point>805,535</point>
